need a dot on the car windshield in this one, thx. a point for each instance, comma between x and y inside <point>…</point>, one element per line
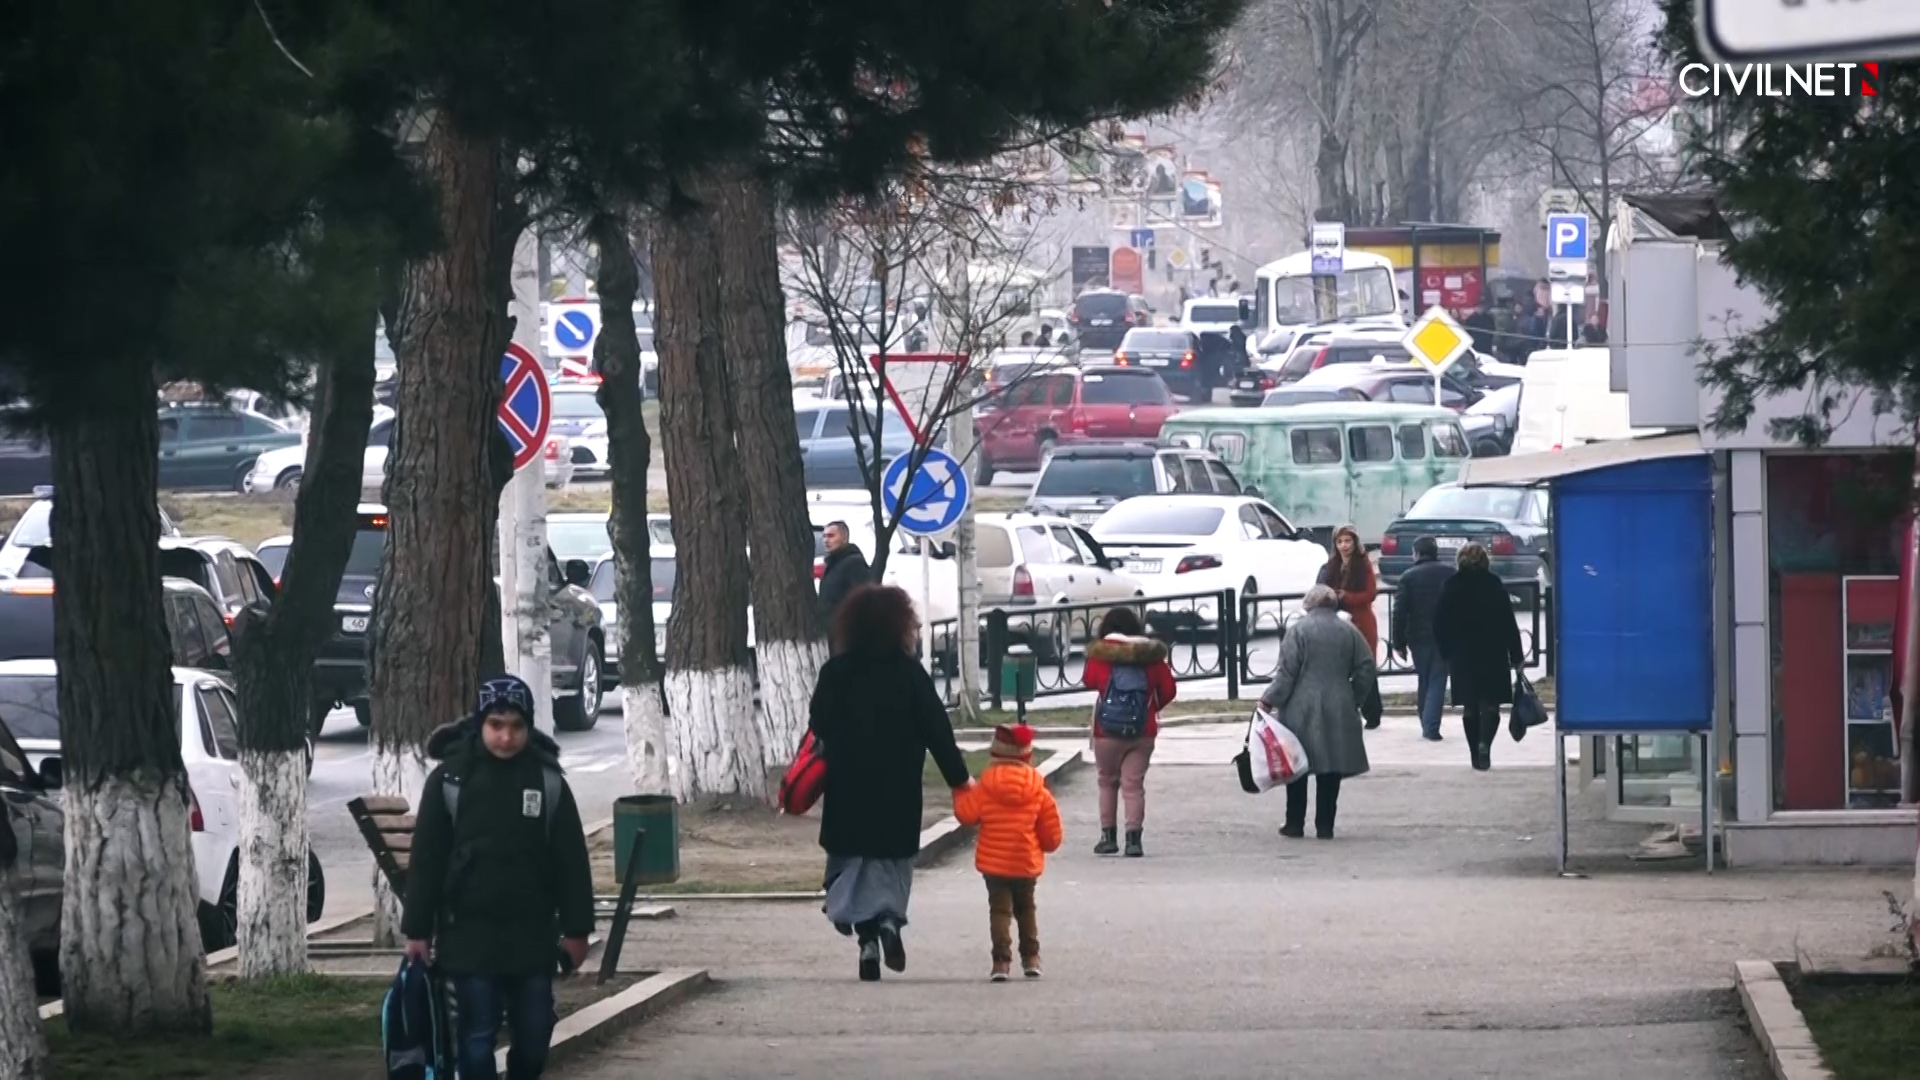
<point>1159,519</point>
<point>1171,340</point>
<point>1498,504</point>
<point>34,527</point>
<point>1101,306</point>
<point>364,559</point>
<point>1362,292</point>
<point>606,581</point>
<point>576,407</point>
<point>1115,388</point>
<point>30,705</point>
<point>1214,313</point>
<point>1121,477</point>
<point>578,539</point>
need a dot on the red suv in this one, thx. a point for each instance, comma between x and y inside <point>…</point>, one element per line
<point>1093,404</point>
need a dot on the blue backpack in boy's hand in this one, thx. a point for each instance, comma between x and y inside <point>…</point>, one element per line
<point>1124,704</point>
<point>413,1026</point>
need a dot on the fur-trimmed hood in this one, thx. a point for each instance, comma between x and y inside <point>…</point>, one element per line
<point>1127,649</point>
<point>462,737</point>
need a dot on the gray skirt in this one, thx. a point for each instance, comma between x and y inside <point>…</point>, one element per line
<point>863,890</point>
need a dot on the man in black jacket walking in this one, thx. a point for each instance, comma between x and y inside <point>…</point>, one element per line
<point>500,889</point>
<point>1416,598</point>
<point>846,568</point>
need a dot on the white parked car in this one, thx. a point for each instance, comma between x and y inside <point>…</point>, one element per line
<point>1029,562</point>
<point>35,528</point>
<point>1181,544</point>
<point>207,714</point>
<point>279,470</point>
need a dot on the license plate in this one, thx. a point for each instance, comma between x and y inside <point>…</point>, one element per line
<point>1085,519</point>
<point>1451,543</point>
<point>1143,566</point>
<point>1099,322</point>
<point>1154,361</point>
<point>353,624</point>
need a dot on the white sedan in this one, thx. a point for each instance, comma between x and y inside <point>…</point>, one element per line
<point>1176,545</point>
<point>279,470</point>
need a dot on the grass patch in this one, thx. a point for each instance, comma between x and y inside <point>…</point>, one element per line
<point>1081,715</point>
<point>1865,1031</point>
<point>306,1025</point>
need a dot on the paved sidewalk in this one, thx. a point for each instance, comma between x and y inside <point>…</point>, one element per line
<point>1431,939</point>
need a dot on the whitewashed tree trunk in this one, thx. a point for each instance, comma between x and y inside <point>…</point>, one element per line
<point>401,772</point>
<point>714,731</point>
<point>650,750</point>
<point>130,948</point>
<point>273,863</point>
<point>23,1045</point>
<point>788,671</point>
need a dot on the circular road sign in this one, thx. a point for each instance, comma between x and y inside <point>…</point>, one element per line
<point>526,407</point>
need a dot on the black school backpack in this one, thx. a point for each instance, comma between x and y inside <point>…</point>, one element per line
<point>413,1026</point>
<point>1124,704</point>
<point>549,796</point>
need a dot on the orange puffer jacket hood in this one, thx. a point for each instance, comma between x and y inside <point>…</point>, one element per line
<point>1019,821</point>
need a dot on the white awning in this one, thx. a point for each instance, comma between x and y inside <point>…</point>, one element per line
<point>1526,470</point>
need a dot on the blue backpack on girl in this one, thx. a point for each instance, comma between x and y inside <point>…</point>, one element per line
<point>1124,704</point>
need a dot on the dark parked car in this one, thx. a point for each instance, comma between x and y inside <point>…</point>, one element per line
<point>828,453</point>
<point>1102,317</point>
<point>1171,353</point>
<point>196,630</point>
<point>1510,522</point>
<point>578,639</point>
<point>38,823</point>
<point>205,445</point>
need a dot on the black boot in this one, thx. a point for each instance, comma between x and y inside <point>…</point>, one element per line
<point>869,960</point>
<point>1134,850</point>
<point>1482,757</point>
<point>892,949</point>
<point>1106,846</point>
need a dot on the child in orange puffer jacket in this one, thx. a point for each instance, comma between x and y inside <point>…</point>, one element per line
<point>1019,825</point>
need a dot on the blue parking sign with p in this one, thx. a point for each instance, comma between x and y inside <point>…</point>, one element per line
<point>1567,236</point>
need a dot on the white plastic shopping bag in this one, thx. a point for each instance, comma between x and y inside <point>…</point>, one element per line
<point>1273,756</point>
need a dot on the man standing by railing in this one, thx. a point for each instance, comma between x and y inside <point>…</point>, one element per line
<point>1418,596</point>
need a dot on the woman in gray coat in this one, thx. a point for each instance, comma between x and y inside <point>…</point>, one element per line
<point>1326,671</point>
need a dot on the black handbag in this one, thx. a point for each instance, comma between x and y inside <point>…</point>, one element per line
<point>1527,710</point>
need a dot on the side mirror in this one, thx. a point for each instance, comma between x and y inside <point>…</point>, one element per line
<point>53,773</point>
<point>1252,491</point>
<point>578,573</point>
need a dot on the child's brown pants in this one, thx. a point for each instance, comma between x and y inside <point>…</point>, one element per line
<point>1010,900</point>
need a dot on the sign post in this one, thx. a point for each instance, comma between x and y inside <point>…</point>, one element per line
<point>1437,341</point>
<point>1328,245</point>
<point>526,410</point>
<point>925,502</point>
<point>1567,252</point>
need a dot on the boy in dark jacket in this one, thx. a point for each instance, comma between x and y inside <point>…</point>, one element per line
<point>500,882</point>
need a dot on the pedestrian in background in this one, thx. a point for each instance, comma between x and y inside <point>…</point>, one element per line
<point>1135,682</point>
<point>1326,669</point>
<point>1481,324</point>
<point>845,570</point>
<point>1349,573</point>
<point>1019,827</point>
<point>877,715</point>
<point>1415,600</point>
<point>1479,641</point>
<point>500,887</point>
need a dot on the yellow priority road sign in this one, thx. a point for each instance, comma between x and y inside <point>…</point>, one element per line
<point>1436,341</point>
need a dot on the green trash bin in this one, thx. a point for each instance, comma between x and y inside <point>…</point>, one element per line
<point>660,856</point>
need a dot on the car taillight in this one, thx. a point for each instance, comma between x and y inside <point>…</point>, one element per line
<point>1389,545</point>
<point>1186,361</point>
<point>1022,584</point>
<point>1122,359</point>
<point>194,821</point>
<point>227,617</point>
<point>1502,544</point>
<point>1074,316</point>
<point>553,449</point>
<point>1320,358</point>
<point>1268,382</point>
<point>1078,422</point>
<point>1191,563</point>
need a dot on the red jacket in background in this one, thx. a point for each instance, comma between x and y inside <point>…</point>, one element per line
<point>1143,652</point>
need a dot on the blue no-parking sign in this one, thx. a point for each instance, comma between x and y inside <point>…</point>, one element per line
<point>526,407</point>
<point>933,498</point>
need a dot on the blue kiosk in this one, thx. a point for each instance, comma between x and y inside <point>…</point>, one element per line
<point>1631,574</point>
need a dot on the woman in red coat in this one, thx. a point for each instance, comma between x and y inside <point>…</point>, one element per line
<point>1123,658</point>
<point>1349,573</point>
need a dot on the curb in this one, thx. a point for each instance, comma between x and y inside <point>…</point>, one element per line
<point>1777,1023</point>
<point>944,835</point>
<point>230,954</point>
<point>581,1031</point>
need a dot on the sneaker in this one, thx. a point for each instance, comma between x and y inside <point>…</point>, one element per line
<point>1001,969</point>
<point>892,949</point>
<point>1134,850</point>
<point>869,961</point>
<point>1031,968</point>
<point>1107,845</point>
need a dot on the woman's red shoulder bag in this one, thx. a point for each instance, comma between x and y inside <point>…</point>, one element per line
<point>806,778</point>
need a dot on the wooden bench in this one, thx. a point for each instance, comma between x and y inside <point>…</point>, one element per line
<point>386,824</point>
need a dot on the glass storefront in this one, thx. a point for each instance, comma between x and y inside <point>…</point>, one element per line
<point>1833,528</point>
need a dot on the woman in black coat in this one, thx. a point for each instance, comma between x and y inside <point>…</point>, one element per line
<point>1474,629</point>
<point>876,716</point>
